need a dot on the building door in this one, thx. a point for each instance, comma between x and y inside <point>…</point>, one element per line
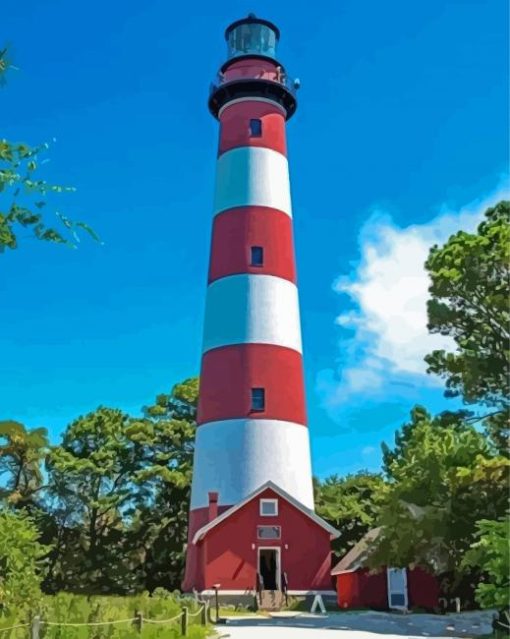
<point>397,588</point>
<point>269,567</point>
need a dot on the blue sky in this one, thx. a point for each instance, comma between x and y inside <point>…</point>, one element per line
<point>400,138</point>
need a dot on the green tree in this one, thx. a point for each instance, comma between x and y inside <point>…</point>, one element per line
<point>20,555</point>
<point>119,495</point>
<point>444,477</point>
<point>94,472</point>
<point>24,195</point>
<point>470,292</point>
<point>162,527</point>
<point>5,65</point>
<point>350,504</point>
<point>491,555</point>
<point>22,453</point>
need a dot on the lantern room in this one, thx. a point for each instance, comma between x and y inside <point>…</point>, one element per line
<point>252,36</point>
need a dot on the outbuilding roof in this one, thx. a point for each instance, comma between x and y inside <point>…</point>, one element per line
<point>357,554</point>
<point>201,532</point>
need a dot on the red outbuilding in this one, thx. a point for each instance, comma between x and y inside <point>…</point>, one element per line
<point>384,588</point>
<point>266,538</point>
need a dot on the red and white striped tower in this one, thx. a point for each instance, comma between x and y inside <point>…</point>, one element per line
<point>251,414</point>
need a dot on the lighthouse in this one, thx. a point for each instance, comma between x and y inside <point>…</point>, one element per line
<point>252,525</point>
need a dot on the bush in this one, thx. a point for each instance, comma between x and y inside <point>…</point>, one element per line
<point>20,554</point>
<point>491,554</point>
<point>70,608</point>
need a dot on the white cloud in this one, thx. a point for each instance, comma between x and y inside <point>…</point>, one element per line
<point>389,290</point>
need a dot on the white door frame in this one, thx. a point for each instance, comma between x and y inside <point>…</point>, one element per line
<point>405,592</point>
<point>278,563</point>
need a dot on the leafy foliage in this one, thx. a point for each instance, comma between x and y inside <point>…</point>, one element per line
<point>79,609</point>
<point>350,504</point>
<point>5,65</point>
<point>20,553</point>
<point>162,528</point>
<point>95,471</point>
<point>119,496</point>
<point>21,454</point>
<point>470,294</point>
<point>491,553</point>
<point>23,196</point>
<point>444,478</point>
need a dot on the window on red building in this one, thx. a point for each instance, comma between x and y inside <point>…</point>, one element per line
<point>269,507</point>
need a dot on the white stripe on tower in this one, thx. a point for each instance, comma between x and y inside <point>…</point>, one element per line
<point>276,450</point>
<point>249,308</point>
<point>252,175</point>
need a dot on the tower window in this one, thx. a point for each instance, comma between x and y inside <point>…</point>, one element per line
<point>257,256</point>
<point>255,128</point>
<point>258,399</point>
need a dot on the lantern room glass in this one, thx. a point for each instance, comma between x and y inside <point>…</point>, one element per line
<point>252,38</point>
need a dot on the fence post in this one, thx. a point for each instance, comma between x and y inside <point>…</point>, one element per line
<point>36,626</point>
<point>209,613</point>
<point>139,621</point>
<point>184,622</point>
<point>203,614</point>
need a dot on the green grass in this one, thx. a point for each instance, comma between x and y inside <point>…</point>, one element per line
<point>68,608</point>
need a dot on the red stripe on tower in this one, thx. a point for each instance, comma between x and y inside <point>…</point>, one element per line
<point>229,374</point>
<point>252,239</point>
<point>252,123</point>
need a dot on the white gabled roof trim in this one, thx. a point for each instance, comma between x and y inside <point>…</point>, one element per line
<point>201,532</point>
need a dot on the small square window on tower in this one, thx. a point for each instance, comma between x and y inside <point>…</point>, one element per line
<point>256,128</point>
<point>258,399</point>
<point>257,256</point>
<point>268,507</point>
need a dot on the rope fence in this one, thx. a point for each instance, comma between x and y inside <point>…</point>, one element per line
<point>164,620</point>
<point>138,621</point>
<point>91,623</point>
<point>196,613</point>
<point>19,625</point>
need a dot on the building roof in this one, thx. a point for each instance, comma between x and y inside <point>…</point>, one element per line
<point>200,534</point>
<point>357,554</point>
